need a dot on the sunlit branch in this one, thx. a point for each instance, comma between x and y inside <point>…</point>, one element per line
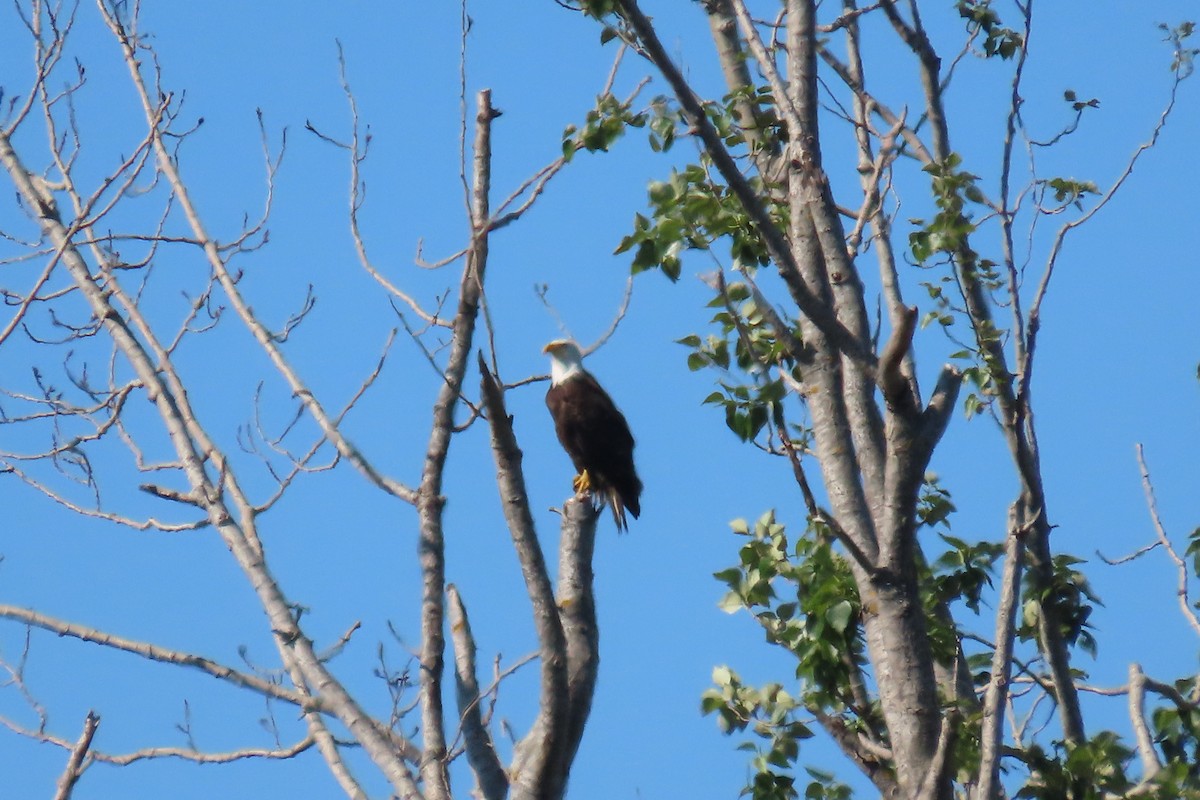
<point>912,140</point>
<point>319,733</point>
<point>577,609</point>
<point>1181,592</point>
<point>1137,717</point>
<point>97,513</point>
<point>202,302</point>
<point>188,754</point>
<point>1035,308</point>
<point>848,17</point>
<point>183,754</point>
<point>431,546</point>
<point>357,149</point>
<point>995,699</point>
<point>1007,216</point>
<point>229,286</point>
<point>616,321</point>
<point>536,184</point>
<point>48,51</point>
<point>481,751</point>
<point>272,168</point>
<point>774,239</point>
<point>74,767</point>
<point>16,678</point>
<point>31,296</point>
<point>156,653</point>
<point>538,751</point>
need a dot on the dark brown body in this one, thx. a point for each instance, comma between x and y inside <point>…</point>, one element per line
<point>596,437</point>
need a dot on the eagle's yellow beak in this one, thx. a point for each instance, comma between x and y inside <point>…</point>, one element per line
<point>552,346</point>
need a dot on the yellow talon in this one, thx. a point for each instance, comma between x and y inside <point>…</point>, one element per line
<point>582,483</point>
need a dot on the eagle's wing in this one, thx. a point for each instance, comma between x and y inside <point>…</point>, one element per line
<point>596,436</point>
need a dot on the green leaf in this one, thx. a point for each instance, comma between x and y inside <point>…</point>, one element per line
<point>711,701</point>
<point>839,615</point>
<point>731,603</point>
<point>731,576</point>
<point>661,192</point>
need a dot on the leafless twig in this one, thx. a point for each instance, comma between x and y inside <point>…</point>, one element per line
<point>74,768</point>
<point>1181,592</point>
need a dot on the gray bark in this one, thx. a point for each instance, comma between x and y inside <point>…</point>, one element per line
<point>566,627</point>
<point>872,455</point>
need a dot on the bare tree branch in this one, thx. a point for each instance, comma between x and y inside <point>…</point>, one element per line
<point>357,149</point>
<point>157,653</point>
<point>537,754</point>
<point>431,547</point>
<point>269,344</point>
<point>193,447</point>
<point>1181,592</point>
<point>74,768</point>
<point>996,694</point>
<point>150,753</point>
<point>78,248</point>
<point>1137,717</point>
<point>577,609</point>
<point>1056,248</point>
<point>481,751</point>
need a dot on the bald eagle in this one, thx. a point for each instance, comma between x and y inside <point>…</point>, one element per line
<point>593,432</point>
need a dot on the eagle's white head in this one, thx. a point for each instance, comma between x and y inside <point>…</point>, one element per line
<point>565,360</point>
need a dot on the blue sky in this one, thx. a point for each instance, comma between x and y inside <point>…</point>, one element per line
<point>1117,366</point>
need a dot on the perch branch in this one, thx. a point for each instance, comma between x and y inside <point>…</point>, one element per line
<point>538,753</point>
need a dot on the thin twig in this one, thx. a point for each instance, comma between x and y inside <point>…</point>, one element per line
<point>1181,592</point>
<point>156,653</point>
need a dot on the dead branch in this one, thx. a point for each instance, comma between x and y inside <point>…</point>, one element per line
<point>269,344</point>
<point>1137,717</point>
<point>539,752</point>
<point>74,768</point>
<point>577,609</point>
<point>892,380</point>
<point>431,546</point>
<point>481,750</point>
<point>1060,237</point>
<point>149,753</point>
<point>357,149</point>
<point>996,695</point>
<point>157,653</point>
<point>1181,592</point>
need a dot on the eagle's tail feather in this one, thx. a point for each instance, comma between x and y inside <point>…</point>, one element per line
<point>618,509</point>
